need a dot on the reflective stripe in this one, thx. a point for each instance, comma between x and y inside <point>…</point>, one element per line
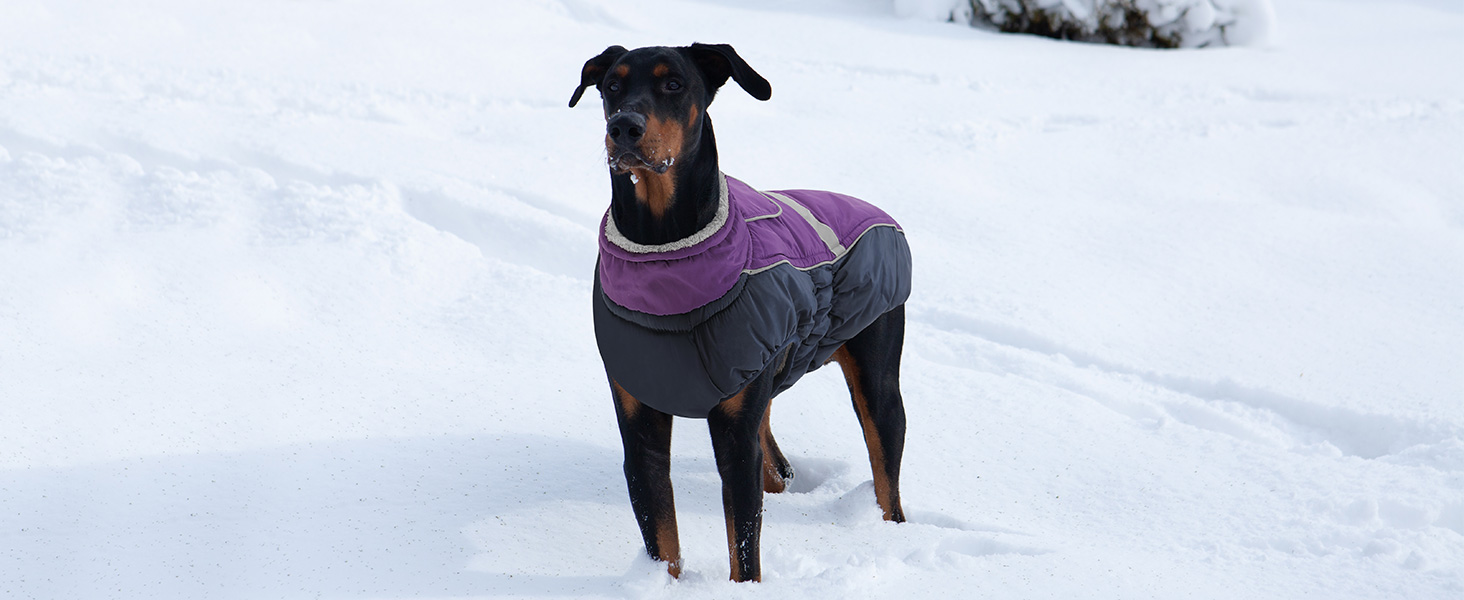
<point>824,232</point>
<point>827,262</point>
<point>761,217</point>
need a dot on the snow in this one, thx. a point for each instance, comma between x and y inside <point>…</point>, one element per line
<point>934,10</point>
<point>294,303</point>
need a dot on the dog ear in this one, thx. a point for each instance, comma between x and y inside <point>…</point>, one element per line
<point>594,71</point>
<point>718,61</point>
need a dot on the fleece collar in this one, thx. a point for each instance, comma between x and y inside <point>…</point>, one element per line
<point>613,235</point>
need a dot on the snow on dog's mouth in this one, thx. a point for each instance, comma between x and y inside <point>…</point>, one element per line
<point>628,160</point>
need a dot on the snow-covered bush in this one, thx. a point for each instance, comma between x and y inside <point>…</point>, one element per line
<point>1148,23</point>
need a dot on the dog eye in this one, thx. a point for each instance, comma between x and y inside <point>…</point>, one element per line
<point>671,85</point>
<point>613,86</point>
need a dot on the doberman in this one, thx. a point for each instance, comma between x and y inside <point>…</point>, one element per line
<point>665,187</point>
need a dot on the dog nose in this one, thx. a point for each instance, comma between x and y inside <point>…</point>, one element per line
<point>626,128</point>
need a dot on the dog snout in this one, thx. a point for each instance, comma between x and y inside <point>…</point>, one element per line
<point>626,129</point>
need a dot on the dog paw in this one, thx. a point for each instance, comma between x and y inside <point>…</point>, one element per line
<point>776,481</point>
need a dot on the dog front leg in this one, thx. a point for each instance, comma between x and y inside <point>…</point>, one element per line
<point>734,426</point>
<point>646,435</point>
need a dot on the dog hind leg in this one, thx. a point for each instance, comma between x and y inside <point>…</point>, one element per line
<point>777,472</point>
<point>871,365</point>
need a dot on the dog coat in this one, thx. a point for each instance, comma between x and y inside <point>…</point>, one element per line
<point>685,325</point>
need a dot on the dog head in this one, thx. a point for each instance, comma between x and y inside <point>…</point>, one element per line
<point>655,100</point>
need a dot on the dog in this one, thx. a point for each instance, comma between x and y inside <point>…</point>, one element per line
<point>711,297</point>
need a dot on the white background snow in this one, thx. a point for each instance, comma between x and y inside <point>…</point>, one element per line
<point>294,303</point>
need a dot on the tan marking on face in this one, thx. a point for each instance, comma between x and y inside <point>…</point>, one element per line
<point>628,404</point>
<point>661,70</point>
<point>622,70</point>
<point>691,116</point>
<point>662,142</point>
<point>655,190</point>
<point>882,491</point>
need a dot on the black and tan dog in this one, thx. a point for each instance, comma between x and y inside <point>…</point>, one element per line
<point>683,334</point>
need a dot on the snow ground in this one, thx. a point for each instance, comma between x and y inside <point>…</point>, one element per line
<point>294,303</point>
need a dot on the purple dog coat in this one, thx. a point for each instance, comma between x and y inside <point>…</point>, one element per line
<point>687,324</point>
